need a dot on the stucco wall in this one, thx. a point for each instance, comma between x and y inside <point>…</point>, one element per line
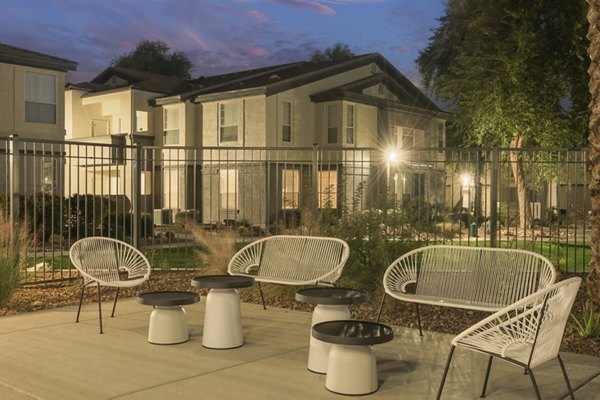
<point>12,106</point>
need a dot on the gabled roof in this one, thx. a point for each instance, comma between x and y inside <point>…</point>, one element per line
<point>19,56</point>
<point>130,78</point>
<point>408,96</point>
<point>278,78</point>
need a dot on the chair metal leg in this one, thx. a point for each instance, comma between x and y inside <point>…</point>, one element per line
<point>564,371</point>
<point>535,386</point>
<point>99,307</point>
<point>80,301</point>
<point>487,376</point>
<point>262,297</point>
<point>381,306</point>
<point>439,395</point>
<point>149,285</point>
<point>419,319</point>
<point>115,303</point>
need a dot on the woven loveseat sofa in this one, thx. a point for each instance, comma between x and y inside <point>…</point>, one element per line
<point>291,260</point>
<point>474,278</point>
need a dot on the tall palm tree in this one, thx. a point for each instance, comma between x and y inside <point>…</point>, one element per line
<point>593,35</point>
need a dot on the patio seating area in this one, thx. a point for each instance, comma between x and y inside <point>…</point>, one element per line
<point>46,355</point>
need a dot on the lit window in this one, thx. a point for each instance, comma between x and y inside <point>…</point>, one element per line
<point>48,175</point>
<point>228,120</point>
<point>327,187</point>
<point>286,122</point>
<point>290,188</point>
<point>146,183</point>
<point>332,123</point>
<point>350,124</point>
<point>171,126</point>
<point>228,183</point>
<point>141,121</point>
<point>40,98</point>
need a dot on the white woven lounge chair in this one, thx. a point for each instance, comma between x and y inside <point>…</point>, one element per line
<point>527,333</point>
<point>291,260</point>
<point>108,262</point>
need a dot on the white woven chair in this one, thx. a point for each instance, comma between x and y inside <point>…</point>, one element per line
<point>473,278</point>
<point>291,260</point>
<point>108,262</point>
<point>527,333</point>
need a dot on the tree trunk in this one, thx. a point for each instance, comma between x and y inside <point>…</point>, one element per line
<point>593,278</point>
<point>516,163</point>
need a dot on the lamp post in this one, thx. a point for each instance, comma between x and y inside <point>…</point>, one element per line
<point>392,157</point>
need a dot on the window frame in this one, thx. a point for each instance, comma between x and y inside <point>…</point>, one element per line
<point>350,124</point>
<point>286,122</point>
<point>230,182</point>
<point>35,98</point>
<point>224,124</point>
<point>169,131</point>
<point>290,177</point>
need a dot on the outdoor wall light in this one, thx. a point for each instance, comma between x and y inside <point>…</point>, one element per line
<point>467,180</point>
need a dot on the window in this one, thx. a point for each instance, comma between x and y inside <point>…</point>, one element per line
<point>332,123</point>
<point>418,185</point>
<point>290,188</point>
<point>286,121</point>
<point>146,183</point>
<point>228,183</point>
<point>171,126</point>
<point>141,121</point>
<point>327,187</point>
<point>40,98</point>
<point>440,135</point>
<point>48,175</point>
<point>228,120</point>
<point>407,139</point>
<point>350,124</point>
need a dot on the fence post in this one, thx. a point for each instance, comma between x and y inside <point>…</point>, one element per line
<point>315,177</point>
<point>136,195</point>
<point>14,183</point>
<point>494,198</point>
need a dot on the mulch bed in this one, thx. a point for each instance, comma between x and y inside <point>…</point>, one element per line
<point>440,319</point>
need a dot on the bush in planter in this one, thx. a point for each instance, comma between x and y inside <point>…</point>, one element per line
<point>42,211</point>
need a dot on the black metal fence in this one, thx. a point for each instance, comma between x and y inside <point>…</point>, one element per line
<point>149,196</point>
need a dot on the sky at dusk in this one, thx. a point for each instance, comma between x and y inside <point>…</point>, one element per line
<point>220,36</point>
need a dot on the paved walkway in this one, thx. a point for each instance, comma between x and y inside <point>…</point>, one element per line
<point>45,355</point>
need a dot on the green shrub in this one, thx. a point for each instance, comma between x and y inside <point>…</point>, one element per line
<point>120,225</point>
<point>12,247</point>
<point>589,324</point>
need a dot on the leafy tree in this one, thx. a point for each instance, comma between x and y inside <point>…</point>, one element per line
<point>154,56</point>
<point>593,278</point>
<point>339,52</point>
<point>513,74</point>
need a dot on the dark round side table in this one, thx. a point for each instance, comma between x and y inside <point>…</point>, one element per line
<point>352,367</point>
<point>168,320</point>
<point>331,304</point>
<point>222,316</point>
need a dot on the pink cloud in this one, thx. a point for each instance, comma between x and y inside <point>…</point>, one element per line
<point>313,5</point>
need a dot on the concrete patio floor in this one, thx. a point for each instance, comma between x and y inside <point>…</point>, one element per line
<point>45,355</point>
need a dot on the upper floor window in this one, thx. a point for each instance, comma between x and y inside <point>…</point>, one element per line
<point>141,121</point>
<point>286,121</point>
<point>332,123</point>
<point>40,98</point>
<point>228,120</point>
<point>440,135</point>
<point>350,119</point>
<point>171,126</point>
